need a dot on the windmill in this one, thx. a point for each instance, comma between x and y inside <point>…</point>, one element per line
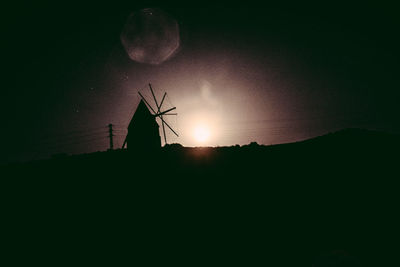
<point>143,129</point>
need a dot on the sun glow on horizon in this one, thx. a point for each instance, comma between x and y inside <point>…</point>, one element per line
<point>201,133</point>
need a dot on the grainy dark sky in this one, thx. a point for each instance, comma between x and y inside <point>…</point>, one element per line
<point>268,73</point>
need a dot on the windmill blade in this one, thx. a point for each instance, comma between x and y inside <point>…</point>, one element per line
<point>163,128</point>
<point>164,112</point>
<point>170,114</point>
<point>169,126</point>
<point>154,97</point>
<point>145,101</point>
<point>162,101</point>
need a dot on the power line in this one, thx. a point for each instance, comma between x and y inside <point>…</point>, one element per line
<point>73,132</point>
<point>58,139</point>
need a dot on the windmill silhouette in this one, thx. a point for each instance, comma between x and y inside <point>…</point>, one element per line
<point>143,130</point>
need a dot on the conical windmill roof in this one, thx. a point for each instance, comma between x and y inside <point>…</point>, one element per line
<point>142,116</point>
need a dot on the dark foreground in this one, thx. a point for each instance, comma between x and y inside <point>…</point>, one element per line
<point>329,201</point>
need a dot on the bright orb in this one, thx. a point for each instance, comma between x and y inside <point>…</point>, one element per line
<point>150,36</point>
<point>201,133</point>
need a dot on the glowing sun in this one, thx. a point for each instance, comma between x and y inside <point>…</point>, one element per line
<point>201,133</point>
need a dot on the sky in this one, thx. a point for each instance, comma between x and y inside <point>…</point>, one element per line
<point>273,73</point>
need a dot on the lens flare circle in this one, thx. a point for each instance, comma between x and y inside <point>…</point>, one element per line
<point>150,36</point>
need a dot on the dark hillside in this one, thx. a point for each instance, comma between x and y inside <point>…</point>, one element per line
<point>282,205</point>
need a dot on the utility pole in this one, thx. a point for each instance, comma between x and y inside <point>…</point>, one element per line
<point>110,132</point>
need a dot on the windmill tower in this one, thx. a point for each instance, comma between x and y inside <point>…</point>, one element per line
<point>143,130</point>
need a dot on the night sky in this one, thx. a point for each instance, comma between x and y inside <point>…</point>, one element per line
<point>269,73</point>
